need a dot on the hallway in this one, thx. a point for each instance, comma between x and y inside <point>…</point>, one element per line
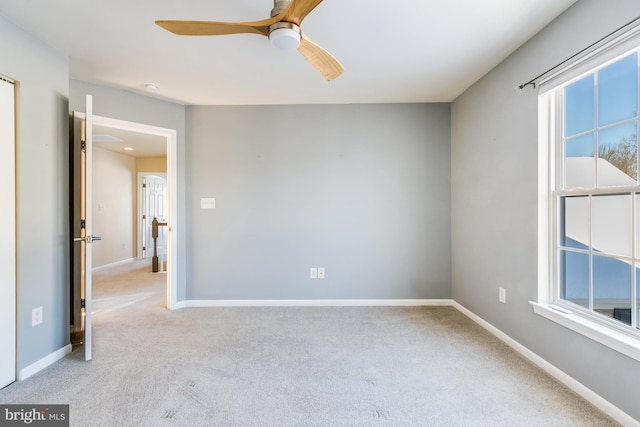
<point>120,287</point>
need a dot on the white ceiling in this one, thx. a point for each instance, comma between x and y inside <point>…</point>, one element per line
<point>392,51</point>
<point>116,140</point>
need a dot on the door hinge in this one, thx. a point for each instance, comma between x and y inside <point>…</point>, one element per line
<point>83,303</point>
<point>144,217</point>
<point>144,185</point>
<point>144,248</point>
<point>83,224</point>
<point>83,145</point>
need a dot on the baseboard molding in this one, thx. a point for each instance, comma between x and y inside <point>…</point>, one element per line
<point>315,303</point>
<point>50,359</point>
<point>113,264</point>
<point>588,394</point>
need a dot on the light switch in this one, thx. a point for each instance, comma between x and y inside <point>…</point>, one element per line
<point>208,203</point>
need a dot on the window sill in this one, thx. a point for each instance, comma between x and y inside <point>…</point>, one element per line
<point>616,340</point>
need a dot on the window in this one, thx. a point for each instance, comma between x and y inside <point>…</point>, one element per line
<point>590,219</point>
<point>597,197</point>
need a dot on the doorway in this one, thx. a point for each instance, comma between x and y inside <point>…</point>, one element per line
<point>146,141</point>
<point>111,131</point>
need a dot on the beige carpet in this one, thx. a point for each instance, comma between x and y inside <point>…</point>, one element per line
<point>324,366</point>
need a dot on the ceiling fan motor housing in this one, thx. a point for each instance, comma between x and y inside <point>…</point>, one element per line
<point>285,35</point>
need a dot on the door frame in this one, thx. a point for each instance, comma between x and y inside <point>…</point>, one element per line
<point>8,285</point>
<point>170,136</point>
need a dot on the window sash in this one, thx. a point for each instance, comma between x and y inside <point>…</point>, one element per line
<point>633,260</point>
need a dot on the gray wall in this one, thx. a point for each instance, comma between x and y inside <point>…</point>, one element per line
<point>42,190</point>
<point>494,203</point>
<point>124,105</point>
<point>361,190</point>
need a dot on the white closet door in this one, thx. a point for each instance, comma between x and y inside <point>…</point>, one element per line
<point>7,235</point>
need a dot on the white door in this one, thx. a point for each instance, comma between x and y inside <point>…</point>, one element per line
<point>83,238</point>
<point>7,236</point>
<point>154,206</point>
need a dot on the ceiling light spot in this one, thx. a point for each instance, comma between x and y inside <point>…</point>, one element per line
<point>128,149</point>
<point>151,87</point>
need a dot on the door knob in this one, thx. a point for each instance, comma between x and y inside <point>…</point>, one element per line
<point>87,239</point>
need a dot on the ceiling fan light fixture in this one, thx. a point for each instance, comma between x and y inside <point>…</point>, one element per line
<point>285,35</point>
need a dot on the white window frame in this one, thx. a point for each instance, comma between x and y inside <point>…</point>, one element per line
<point>618,337</point>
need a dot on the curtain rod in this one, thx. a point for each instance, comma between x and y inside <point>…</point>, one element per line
<point>535,79</point>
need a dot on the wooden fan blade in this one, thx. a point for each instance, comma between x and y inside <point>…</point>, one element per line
<point>209,28</point>
<point>298,10</point>
<point>321,60</point>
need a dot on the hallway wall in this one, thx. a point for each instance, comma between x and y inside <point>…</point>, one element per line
<point>114,207</point>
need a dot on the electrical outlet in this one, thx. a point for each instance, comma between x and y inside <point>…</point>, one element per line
<point>313,273</point>
<point>36,316</point>
<point>320,272</point>
<point>502,295</point>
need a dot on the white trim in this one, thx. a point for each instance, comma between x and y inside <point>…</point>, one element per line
<point>46,361</point>
<point>546,119</point>
<point>315,303</point>
<point>113,264</point>
<point>179,305</point>
<point>8,289</point>
<point>579,388</point>
<point>605,335</point>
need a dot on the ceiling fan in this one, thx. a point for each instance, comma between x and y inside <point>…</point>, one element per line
<point>283,29</point>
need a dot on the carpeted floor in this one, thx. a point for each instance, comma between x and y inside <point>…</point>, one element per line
<point>290,366</point>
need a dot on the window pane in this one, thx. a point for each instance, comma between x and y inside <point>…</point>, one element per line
<point>638,298</point>
<point>574,277</point>
<point>579,162</point>
<point>618,91</point>
<point>637,201</point>
<point>612,288</point>
<point>611,224</point>
<point>618,155</point>
<point>574,222</point>
<point>579,106</point>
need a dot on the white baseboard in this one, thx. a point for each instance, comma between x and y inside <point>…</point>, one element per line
<point>36,367</point>
<point>588,394</point>
<point>315,303</point>
<point>113,264</point>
